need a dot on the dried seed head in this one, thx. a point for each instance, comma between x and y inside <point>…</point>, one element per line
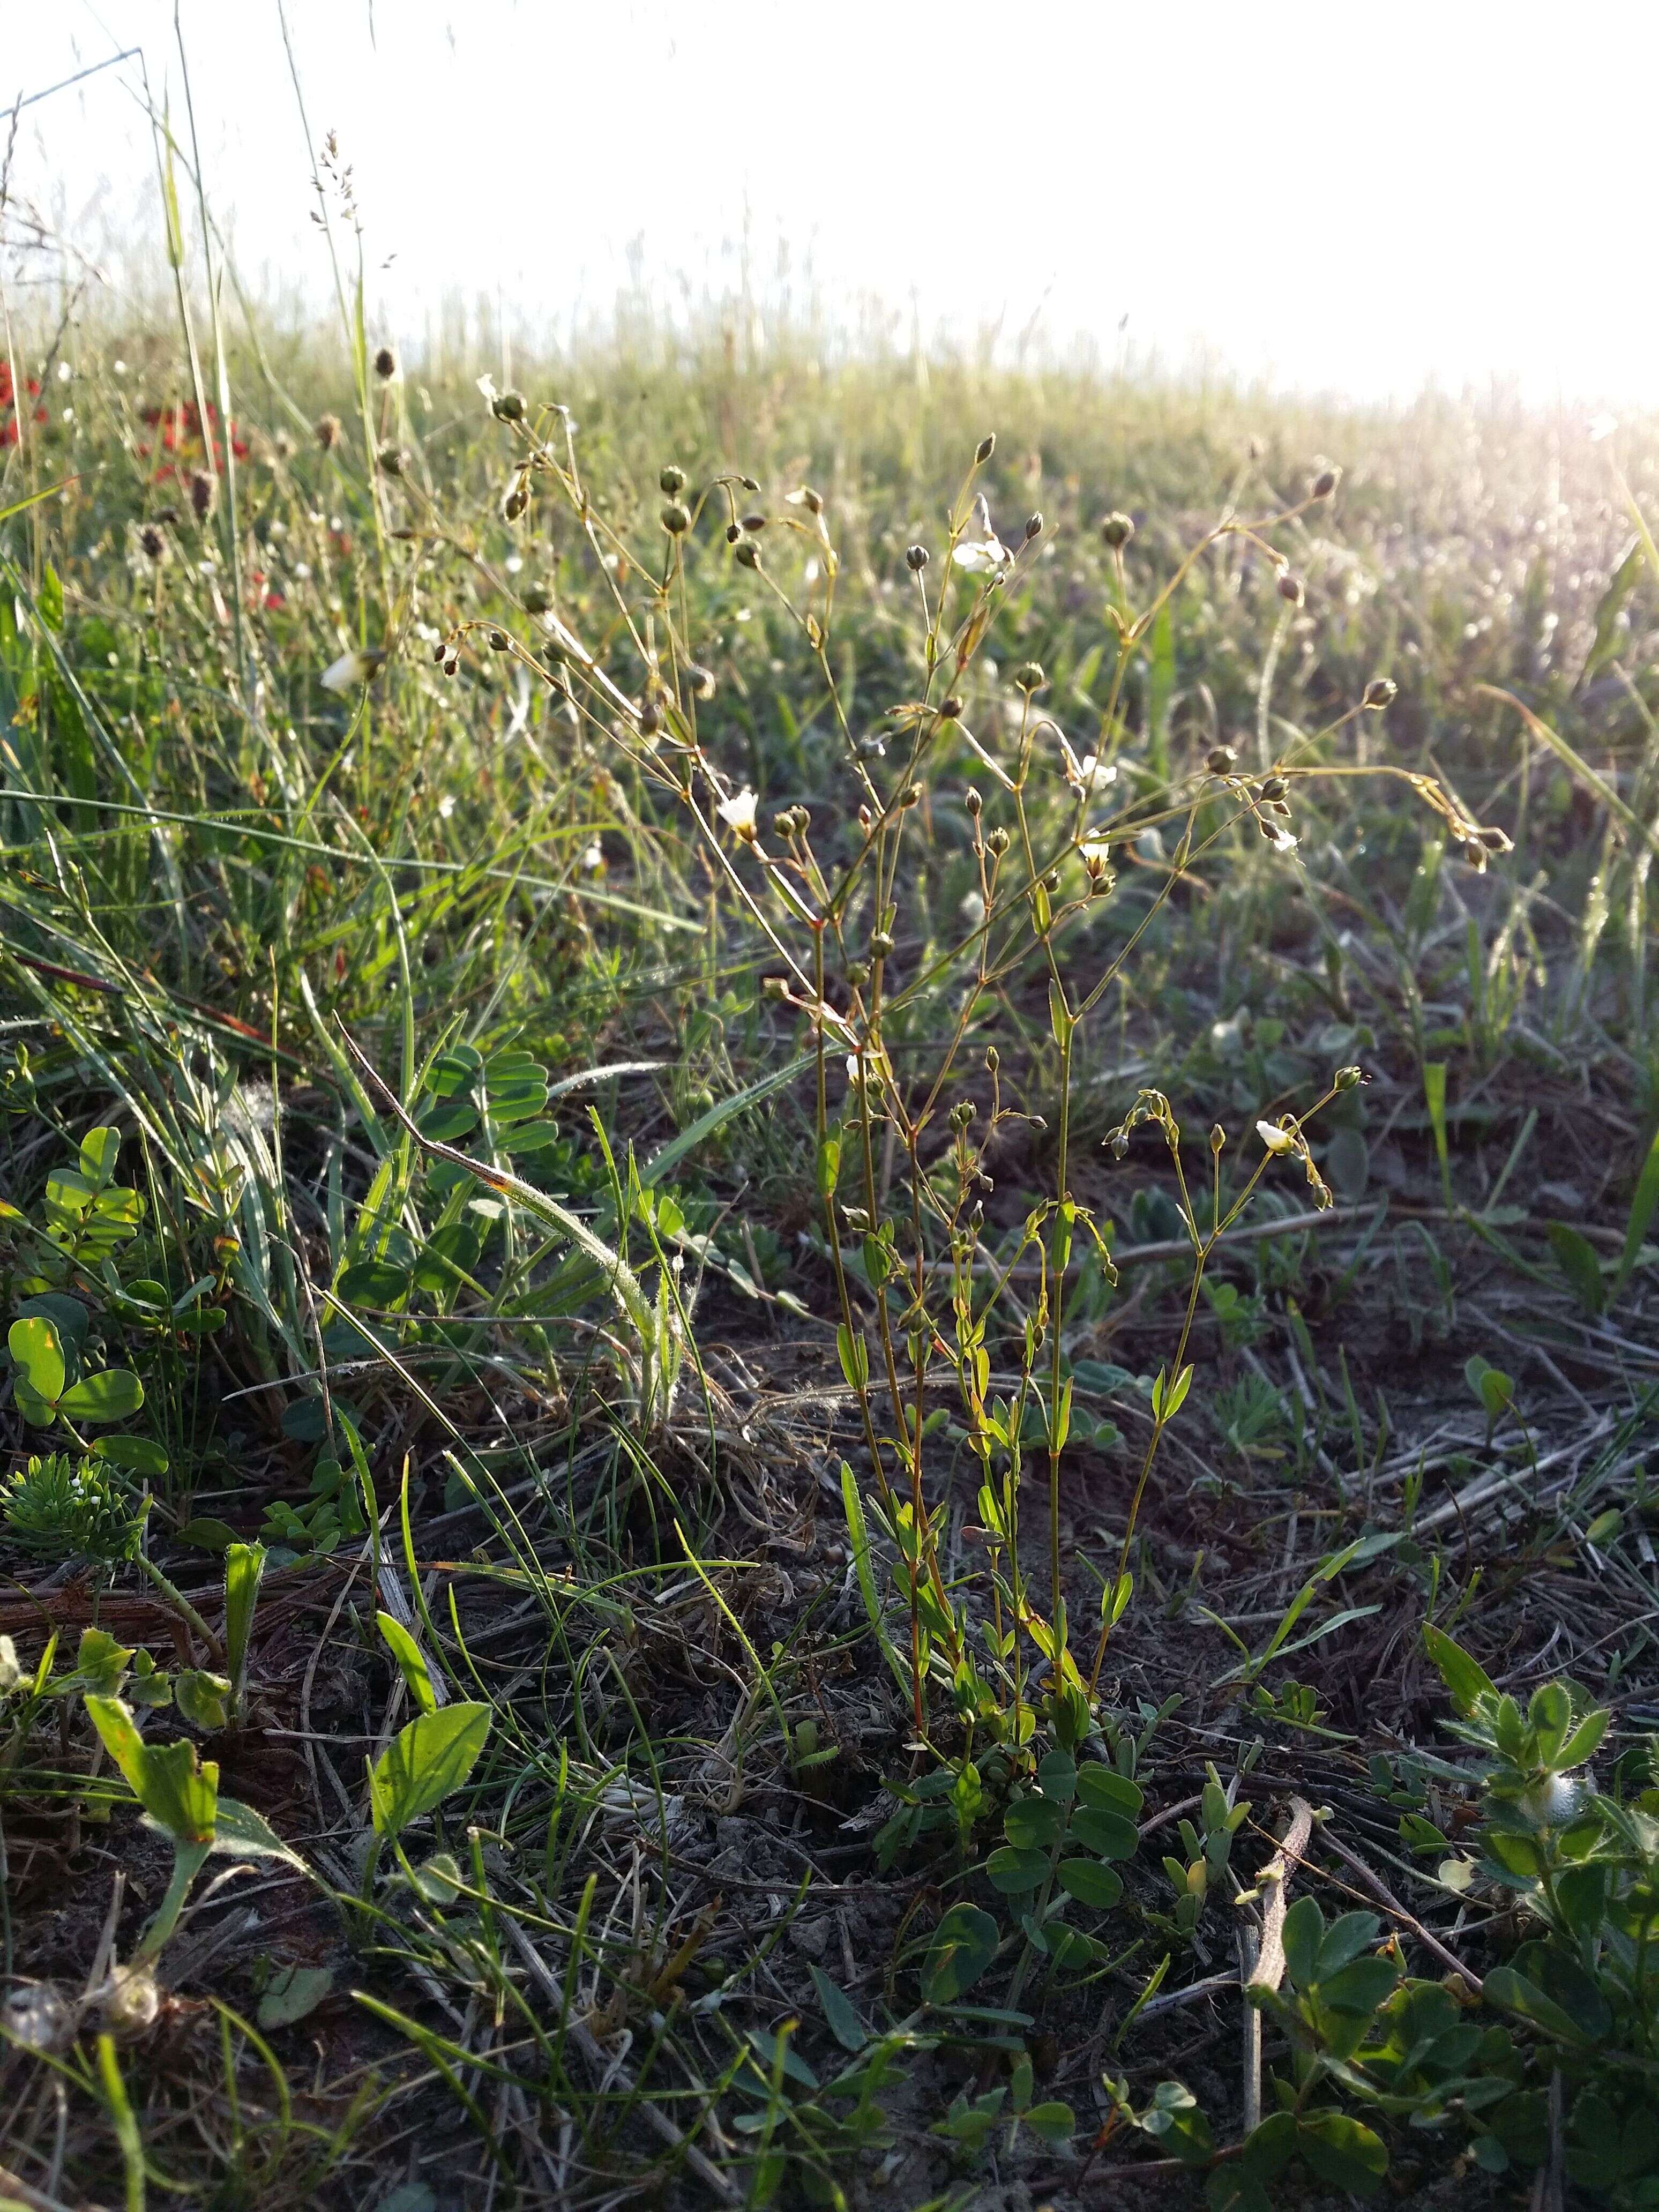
<point>986,447</point>
<point>1221,760</point>
<point>1289,588</point>
<point>1117,530</point>
<point>1029,677</point>
<point>327,432</point>
<point>672,481</point>
<point>151,542</point>
<point>1381,692</point>
<point>507,407</point>
<point>453,663</point>
<point>746,553</point>
<point>915,559</point>
<point>1033,527</point>
<point>202,493</point>
<point>675,518</point>
<point>951,709</point>
<point>385,363</point>
<point>1326,482</point>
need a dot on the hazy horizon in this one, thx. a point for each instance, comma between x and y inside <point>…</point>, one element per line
<point>910,181</point>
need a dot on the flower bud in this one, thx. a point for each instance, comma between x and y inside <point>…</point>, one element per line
<point>151,542</point>
<point>992,1060</point>
<point>754,522</point>
<point>672,481</point>
<point>998,843</point>
<point>881,945</point>
<point>783,824</point>
<point>734,532</point>
<point>391,459</point>
<point>650,718</point>
<point>1033,527</point>
<point>675,518</point>
<point>536,599</point>
<point>1273,787</point>
<point>1347,1079</point>
<point>516,497</point>
<point>951,709</point>
<point>499,640</point>
<point>749,483</point>
<point>385,364</point>
<point>1289,588</point>
<point>1326,482</point>
<point>915,559</point>
<point>746,553</point>
<point>774,987</point>
<point>858,974</point>
<point>1381,692</point>
<point>1029,677</point>
<point>1117,530</point>
<point>327,432</point>
<point>507,407</point>
<point>1217,1138</point>
<point>1221,760</point>
<point>986,447</point>
<point>973,802</point>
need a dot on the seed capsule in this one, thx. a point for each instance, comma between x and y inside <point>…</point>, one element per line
<point>1117,530</point>
<point>986,447</point>
<point>1382,691</point>
<point>915,559</point>
<point>1289,588</point>
<point>1221,760</point>
<point>675,518</point>
<point>672,481</point>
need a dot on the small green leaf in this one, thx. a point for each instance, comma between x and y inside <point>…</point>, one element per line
<point>840,2017</point>
<point>138,1455</point>
<point>855,1357</point>
<point>1343,2152</point>
<point>292,1993</point>
<point>1108,1791</point>
<point>963,1945</point>
<point>114,1395</point>
<point>99,1150</point>
<point>1051,2122</point>
<point>424,1763</point>
<point>1090,1883</point>
<point>34,1344</point>
<point>411,1661</point>
<point>1466,1680</point>
<point>179,1792</point>
<point>1016,1872</point>
<point>1575,1257</point>
<point>203,1699</point>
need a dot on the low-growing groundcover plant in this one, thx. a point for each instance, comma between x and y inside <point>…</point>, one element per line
<point>825,1251</point>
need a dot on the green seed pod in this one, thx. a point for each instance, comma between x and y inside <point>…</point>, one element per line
<point>672,481</point>
<point>675,518</point>
<point>1117,530</point>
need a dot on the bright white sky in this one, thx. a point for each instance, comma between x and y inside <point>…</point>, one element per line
<point>1362,195</point>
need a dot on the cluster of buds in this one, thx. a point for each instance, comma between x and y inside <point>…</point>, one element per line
<point>1285,1140</point>
<point>792,822</point>
<point>447,655</point>
<point>1149,1106</point>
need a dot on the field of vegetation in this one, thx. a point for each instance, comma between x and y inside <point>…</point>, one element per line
<point>825,1198</point>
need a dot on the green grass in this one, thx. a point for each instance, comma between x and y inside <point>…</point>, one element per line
<point>841,1582</point>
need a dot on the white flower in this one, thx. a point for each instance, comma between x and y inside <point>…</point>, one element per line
<point>593,856</point>
<point>1089,777</point>
<point>1283,841</point>
<point>1601,427</point>
<point>350,669</point>
<point>487,385</point>
<point>120,368</point>
<point>739,814</point>
<point>64,372</point>
<point>1278,1141</point>
<point>984,553</point>
<point>447,805</point>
